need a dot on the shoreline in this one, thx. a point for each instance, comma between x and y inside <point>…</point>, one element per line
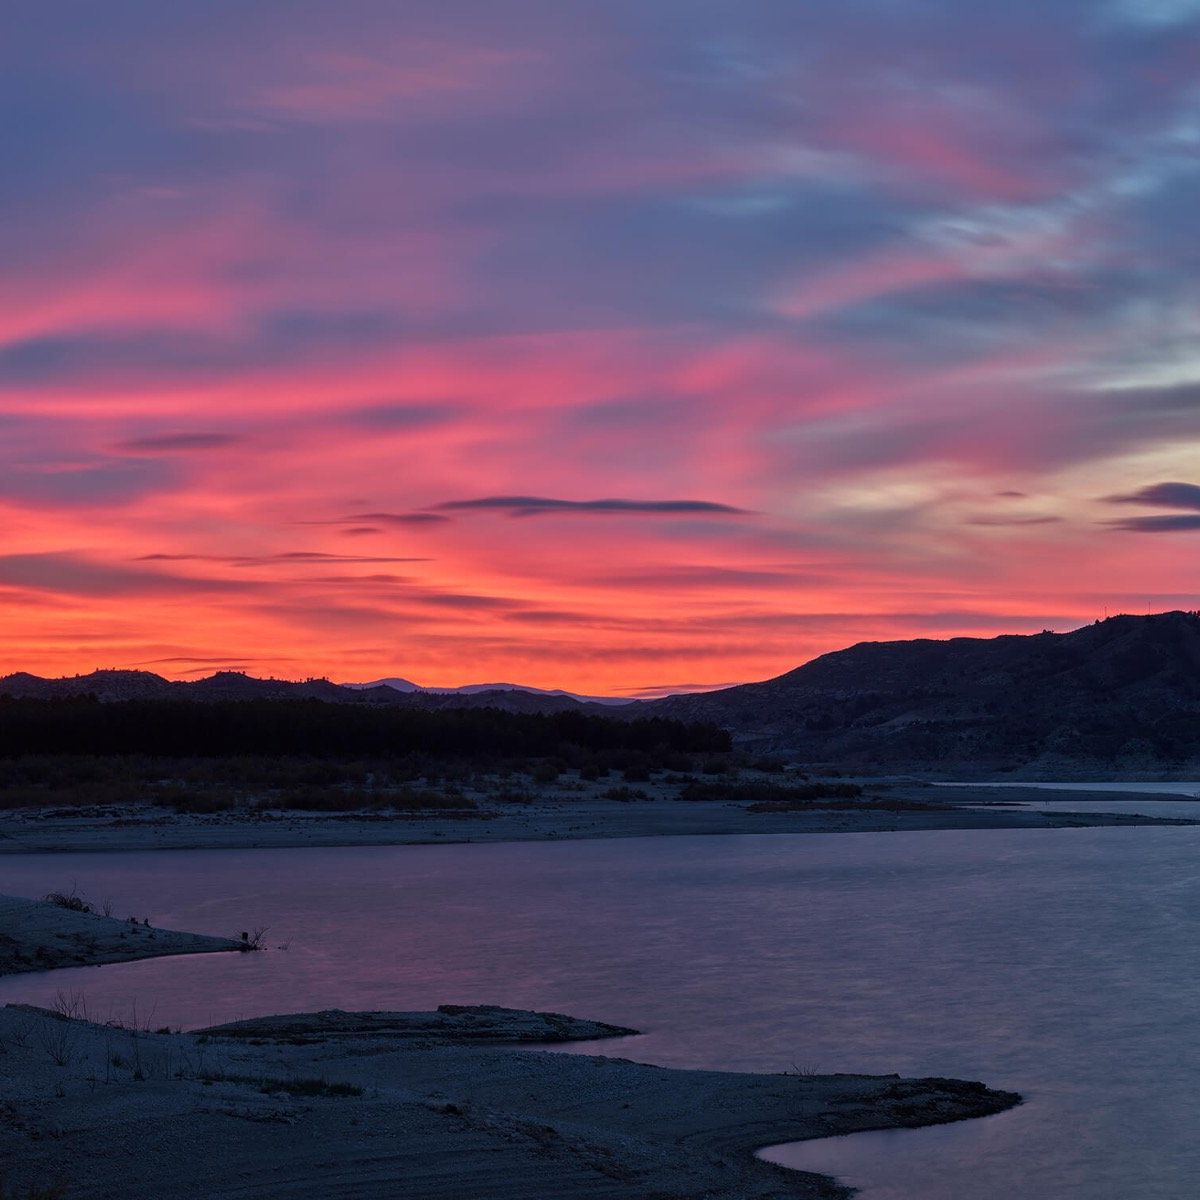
<point>435,1117</point>
<point>38,935</point>
<point>427,1106</point>
<point>546,818</point>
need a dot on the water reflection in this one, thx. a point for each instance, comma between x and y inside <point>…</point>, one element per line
<point>1058,963</point>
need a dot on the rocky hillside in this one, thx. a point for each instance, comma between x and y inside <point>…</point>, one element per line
<point>1119,696</point>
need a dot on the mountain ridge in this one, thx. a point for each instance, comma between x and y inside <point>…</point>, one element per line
<point>407,687</point>
<point>115,685</point>
<point>1116,696</point>
<point>1119,693</point>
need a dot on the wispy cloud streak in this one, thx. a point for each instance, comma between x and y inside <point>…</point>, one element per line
<point>679,342</point>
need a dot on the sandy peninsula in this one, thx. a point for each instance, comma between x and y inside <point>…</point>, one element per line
<point>414,1106</point>
<point>37,935</point>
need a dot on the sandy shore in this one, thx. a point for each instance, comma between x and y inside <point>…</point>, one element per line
<point>36,935</point>
<point>426,1106</point>
<point>550,816</point>
<point>383,1112</point>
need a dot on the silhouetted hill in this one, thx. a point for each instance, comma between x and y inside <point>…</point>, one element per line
<point>473,689</point>
<point>1119,696</point>
<point>234,685</point>
<point>104,685</point>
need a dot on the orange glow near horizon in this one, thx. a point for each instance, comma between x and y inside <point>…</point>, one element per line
<point>585,351</point>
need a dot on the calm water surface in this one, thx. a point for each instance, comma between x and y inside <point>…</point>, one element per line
<point>1176,788</point>
<point>1149,808</point>
<point>1063,964</point>
<point>1144,799</point>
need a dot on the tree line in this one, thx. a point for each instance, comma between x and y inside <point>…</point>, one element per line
<point>82,725</point>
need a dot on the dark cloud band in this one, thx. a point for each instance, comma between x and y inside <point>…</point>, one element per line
<point>536,506</point>
<point>1163,495</point>
<point>1168,523</point>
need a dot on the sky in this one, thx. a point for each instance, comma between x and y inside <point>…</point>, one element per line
<point>614,346</point>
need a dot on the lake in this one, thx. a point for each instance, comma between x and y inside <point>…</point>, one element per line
<point>1058,963</point>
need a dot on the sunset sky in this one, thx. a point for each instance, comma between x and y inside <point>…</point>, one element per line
<point>616,346</point>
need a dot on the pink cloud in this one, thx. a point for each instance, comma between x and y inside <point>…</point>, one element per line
<point>292,283</point>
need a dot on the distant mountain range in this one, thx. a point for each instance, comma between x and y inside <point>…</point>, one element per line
<point>1118,697</point>
<point>474,689</point>
<point>234,685</point>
